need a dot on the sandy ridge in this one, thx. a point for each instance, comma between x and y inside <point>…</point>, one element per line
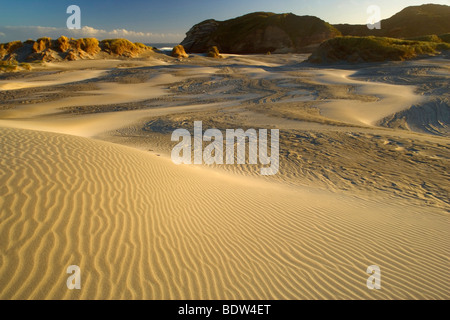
<point>140,227</point>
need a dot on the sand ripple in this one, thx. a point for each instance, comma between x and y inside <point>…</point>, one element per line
<point>140,227</point>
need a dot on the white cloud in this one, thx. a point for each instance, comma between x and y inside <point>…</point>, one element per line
<point>12,33</point>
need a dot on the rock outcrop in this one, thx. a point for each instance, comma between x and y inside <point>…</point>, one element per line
<point>260,32</point>
<point>412,21</point>
<point>197,39</point>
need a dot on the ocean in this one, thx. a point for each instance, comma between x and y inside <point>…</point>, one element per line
<point>162,46</point>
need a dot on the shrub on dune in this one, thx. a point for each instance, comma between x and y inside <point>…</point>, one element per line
<point>121,47</point>
<point>62,44</point>
<point>9,66</point>
<point>13,46</point>
<point>373,49</point>
<point>213,52</point>
<point>142,47</point>
<point>42,44</point>
<point>445,37</point>
<point>429,38</point>
<point>10,47</point>
<point>25,66</point>
<point>179,52</point>
<point>71,56</point>
<point>88,45</point>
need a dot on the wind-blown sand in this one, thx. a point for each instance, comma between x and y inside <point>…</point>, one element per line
<point>392,99</point>
<point>140,227</point>
<point>349,194</point>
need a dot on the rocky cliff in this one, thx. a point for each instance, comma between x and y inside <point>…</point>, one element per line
<point>412,21</point>
<point>260,32</point>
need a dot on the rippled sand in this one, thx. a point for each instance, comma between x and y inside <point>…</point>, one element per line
<point>86,179</point>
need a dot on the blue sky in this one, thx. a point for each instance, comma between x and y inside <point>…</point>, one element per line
<point>168,20</point>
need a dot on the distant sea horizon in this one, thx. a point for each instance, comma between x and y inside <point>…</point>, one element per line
<point>163,46</point>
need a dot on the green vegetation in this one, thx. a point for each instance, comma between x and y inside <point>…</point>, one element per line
<point>373,49</point>
<point>445,37</point>
<point>429,38</point>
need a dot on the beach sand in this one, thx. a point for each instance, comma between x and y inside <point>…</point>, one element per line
<point>87,180</point>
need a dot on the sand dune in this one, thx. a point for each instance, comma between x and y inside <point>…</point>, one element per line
<point>392,99</point>
<point>95,124</point>
<point>349,194</point>
<point>52,79</point>
<point>140,227</point>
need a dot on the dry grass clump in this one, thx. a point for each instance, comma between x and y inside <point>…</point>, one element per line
<point>63,44</point>
<point>213,52</point>
<point>179,52</point>
<point>25,66</point>
<point>142,46</point>
<point>42,44</point>
<point>8,66</point>
<point>123,47</point>
<point>12,66</point>
<point>10,47</point>
<point>46,49</point>
<point>71,56</point>
<point>88,45</point>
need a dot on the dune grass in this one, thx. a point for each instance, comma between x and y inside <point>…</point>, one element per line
<point>374,49</point>
<point>445,37</point>
<point>213,52</point>
<point>42,44</point>
<point>142,46</point>
<point>63,44</point>
<point>65,48</point>
<point>123,47</point>
<point>11,46</point>
<point>8,66</point>
<point>179,52</point>
<point>13,65</point>
<point>88,45</point>
<point>428,38</point>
